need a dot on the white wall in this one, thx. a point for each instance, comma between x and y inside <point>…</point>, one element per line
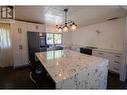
<point>110,36</point>
<point>67,39</point>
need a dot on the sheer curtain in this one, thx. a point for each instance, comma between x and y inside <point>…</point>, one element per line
<point>5,45</point>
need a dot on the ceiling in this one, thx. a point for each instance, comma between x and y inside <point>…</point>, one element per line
<point>82,15</point>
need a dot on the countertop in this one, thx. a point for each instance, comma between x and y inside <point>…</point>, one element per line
<point>100,49</point>
<point>63,64</point>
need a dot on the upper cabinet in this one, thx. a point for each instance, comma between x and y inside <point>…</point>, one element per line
<point>36,27</point>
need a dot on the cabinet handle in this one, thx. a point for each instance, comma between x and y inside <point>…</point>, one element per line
<point>20,47</point>
<point>36,27</point>
<point>19,30</point>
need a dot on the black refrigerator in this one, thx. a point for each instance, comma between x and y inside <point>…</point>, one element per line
<point>36,43</point>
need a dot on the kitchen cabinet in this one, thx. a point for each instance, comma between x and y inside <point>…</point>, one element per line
<point>19,41</point>
<point>35,27</point>
<point>115,59</point>
<point>116,62</point>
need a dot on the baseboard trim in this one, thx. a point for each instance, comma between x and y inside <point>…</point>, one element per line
<point>21,66</point>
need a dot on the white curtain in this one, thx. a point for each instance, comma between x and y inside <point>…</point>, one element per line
<point>5,45</point>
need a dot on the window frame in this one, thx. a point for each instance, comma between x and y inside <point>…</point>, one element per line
<point>54,40</point>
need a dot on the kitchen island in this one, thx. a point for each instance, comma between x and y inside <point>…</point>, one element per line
<point>73,70</point>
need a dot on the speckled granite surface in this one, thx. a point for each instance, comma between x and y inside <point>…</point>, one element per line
<point>73,70</point>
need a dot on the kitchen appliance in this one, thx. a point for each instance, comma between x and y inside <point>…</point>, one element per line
<point>87,50</point>
<point>36,43</point>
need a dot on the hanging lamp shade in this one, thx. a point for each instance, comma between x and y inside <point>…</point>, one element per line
<point>59,29</point>
<point>73,26</point>
<point>65,28</point>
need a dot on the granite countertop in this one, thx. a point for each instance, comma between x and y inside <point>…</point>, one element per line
<point>63,64</point>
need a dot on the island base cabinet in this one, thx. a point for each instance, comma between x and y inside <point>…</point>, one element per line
<point>93,78</point>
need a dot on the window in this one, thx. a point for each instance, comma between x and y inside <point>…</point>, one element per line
<point>5,45</point>
<point>57,38</point>
<point>49,38</point>
<point>54,38</point>
<point>5,36</point>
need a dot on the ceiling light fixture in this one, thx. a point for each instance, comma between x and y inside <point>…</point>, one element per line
<point>67,26</point>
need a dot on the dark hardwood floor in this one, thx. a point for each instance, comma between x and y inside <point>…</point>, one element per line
<point>15,78</point>
<point>11,78</point>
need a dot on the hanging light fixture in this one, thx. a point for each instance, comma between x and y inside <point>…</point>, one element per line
<point>59,29</point>
<point>65,28</point>
<point>68,24</point>
<point>73,26</point>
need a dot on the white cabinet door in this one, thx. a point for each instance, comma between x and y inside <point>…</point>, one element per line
<point>20,48</point>
<point>16,53</point>
<point>31,27</point>
<point>25,59</point>
<point>24,43</point>
<point>16,43</point>
<point>40,27</point>
<point>116,62</point>
<point>36,27</point>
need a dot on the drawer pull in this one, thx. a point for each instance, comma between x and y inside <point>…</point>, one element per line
<point>36,27</point>
<point>19,30</point>
<point>20,47</point>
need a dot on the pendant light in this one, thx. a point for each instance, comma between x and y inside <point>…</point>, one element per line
<point>73,26</point>
<point>59,29</point>
<point>67,26</point>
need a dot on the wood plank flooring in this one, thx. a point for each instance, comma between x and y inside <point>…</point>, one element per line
<point>11,78</point>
